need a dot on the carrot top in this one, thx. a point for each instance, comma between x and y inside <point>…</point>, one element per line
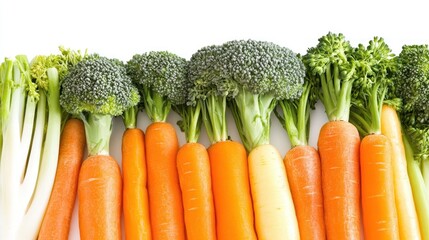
<point>375,66</point>
<point>332,67</point>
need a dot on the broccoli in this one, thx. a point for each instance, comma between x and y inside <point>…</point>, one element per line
<point>375,66</point>
<point>97,89</point>
<point>332,67</point>
<point>263,73</point>
<point>412,83</point>
<point>161,78</point>
<point>209,89</point>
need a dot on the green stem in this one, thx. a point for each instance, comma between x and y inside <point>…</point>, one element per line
<point>375,110</point>
<point>337,80</point>
<point>327,101</point>
<point>195,124</point>
<point>130,117</point>
<point>214,118</point>
<point>418,188</point>
<point>157,107</point>
<point>303,116</point>
<point>252,113</point>
<point>98,129</point>
<point>342,110</point>
<point>330,84</point>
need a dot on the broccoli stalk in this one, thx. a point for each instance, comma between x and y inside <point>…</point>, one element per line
<point>161,77</point>
<point>97,89</point>
<point>332,68</point>
<point>191,121</point>
<point>263,73</point>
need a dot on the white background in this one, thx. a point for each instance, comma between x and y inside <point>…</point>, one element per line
<point>122,28</point>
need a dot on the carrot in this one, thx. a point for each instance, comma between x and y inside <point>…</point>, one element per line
<point>193,167</point>
<point>302,164</point>
<point>165,200</point>
<point>231,190</point>
<point>56,222</point>
<point>263,160</point>
<point>378,199</point>
<point>304,174</point>
<point>339,152</point>
<point>99,194</point>
<point>407,216</point>
<point>135,196</point>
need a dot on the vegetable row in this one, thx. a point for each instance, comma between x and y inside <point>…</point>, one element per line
<point>370,165</point>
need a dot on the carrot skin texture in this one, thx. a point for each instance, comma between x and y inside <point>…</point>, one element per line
<point>165,199</point>
<point>305,179</point>
<point>408,223</point>
<point>275,216</point>
<point>135,196</point>
<point>380,220</point>
<point>231,191</point>
<point>195,182</point>
<point>56,223</point>
<point>100,198</point>
<point>338,145</point>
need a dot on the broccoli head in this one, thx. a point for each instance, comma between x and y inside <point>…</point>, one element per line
<point>412,83</point>
<point>98,86</point>
<point>263,68</point>
<point>264,73</point>
<point>161,78</point>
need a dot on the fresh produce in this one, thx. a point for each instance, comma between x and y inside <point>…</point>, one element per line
<point>193,166</point>
<point>228,159</point>
<point>134,193</point>
<point>374,70</point>
<point>161,78</point>
<point>263,73</point>
<point>302,164</point>
<point>411,82</point>
<point>30,134</point>
<point>96,89</point>
<point>407,216</point>
<point>332,69</point>
<point>57,219</point>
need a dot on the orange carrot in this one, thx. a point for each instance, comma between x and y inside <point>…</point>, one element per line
<point>231,190</point>
<point>135,196</point>
<point>56,222</point>
<point>380,220</point>
<point>165,200</point>
<point>304,176</point>
<point>339,153</point>
<point>193,166</point>
<point>99,194</point>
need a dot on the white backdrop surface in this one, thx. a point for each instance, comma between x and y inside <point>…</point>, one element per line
<point>122,28</point>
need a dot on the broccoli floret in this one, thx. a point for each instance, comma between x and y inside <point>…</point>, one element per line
<point>98,89</point>
<point>264,73</point>
<point>161,78</point>
<point>332,67</point>
<point>263,68</point>
<point>375,66</point>
<point>412,83</point>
